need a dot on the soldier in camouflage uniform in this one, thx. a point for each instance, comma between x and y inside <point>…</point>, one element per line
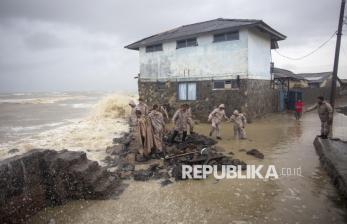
<point>325,113</point>
<point>181,121</point>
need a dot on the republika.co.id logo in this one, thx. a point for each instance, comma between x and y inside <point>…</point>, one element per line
<point>235,172</point>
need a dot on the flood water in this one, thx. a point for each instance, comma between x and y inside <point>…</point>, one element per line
<point>285,142</point>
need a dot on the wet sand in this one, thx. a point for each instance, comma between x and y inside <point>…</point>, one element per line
<point>285,142</point>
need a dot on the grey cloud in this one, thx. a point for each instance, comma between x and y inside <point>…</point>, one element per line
<point>79,44</point>
<point>43,41</point>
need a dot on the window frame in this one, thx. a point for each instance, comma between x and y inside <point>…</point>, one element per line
<point>190,42</point>
<point>187,96</point>
<point>227,36</point>
<point>234,84</point>
<point>154,48</point>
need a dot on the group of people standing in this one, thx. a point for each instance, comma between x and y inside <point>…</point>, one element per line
<point>151,124</point>
<point>216,117</point>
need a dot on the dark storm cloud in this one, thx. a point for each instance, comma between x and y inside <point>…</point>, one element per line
<point>84,39</point>
<point>298,19</point>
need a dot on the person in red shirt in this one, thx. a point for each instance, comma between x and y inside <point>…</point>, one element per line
<point>299,105</point>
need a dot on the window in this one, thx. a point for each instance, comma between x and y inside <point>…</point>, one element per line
<point>153,48</point>
<point>226,36</point>
<point>187,91</point>
<point>186,43</point>
<point>226,84</point>
<point>218,84</point>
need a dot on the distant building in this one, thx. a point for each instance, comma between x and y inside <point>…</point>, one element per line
<point>208,63</point>
<point>318,80</point>
<point>285,79</point>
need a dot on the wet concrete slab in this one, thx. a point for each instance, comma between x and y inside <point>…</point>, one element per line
<point>333,157</point>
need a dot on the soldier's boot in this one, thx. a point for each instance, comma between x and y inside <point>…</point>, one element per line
<point>174,135</point>
<point>184,136</point>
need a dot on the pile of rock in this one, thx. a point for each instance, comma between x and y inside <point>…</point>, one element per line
<point>196,150</point>
<point>41,178</point>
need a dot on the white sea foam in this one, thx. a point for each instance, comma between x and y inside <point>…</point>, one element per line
<point>82,105</point>
<point>35,127</point>
<point>41,100</point>
<point>108,119</point>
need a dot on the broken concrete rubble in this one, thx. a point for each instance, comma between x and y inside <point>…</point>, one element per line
<point>196,150</point>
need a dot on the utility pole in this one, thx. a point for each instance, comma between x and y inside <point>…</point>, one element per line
<point>337,54</point>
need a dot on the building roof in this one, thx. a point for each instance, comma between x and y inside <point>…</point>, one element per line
<point>315,77</point>
<point>280,73</point>
<point>211,26</point>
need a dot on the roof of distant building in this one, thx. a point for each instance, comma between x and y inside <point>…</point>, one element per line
<point>280,73</point>
<point>315,77</point>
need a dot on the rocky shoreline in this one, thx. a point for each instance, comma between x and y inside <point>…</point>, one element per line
<point>42,177</point>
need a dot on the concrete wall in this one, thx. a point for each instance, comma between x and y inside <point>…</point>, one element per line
<point>205,60</point>
<point>310,94</point>
<point>255,97</point>
<point>259,55</point>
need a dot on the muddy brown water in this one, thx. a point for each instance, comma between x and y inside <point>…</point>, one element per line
<point>285,142</point>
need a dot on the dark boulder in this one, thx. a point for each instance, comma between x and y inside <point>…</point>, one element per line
<point>12,151</point>
<point>41,178</point>
<point>142,175</point>
<point>165,182</point>
<point>255,153</point>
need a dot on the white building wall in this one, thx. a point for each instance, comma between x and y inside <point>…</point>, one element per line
<point>208,59</point>
<point>259,55</point>
<point>248,57</point>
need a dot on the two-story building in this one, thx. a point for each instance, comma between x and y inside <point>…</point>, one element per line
<point>209,63</point>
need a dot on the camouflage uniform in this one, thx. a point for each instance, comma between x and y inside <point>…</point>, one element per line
<point>325,113</point>
<point>143,108</point>
<point>145,135</point>
<point>216,117</point>
<point>190,121</point>
<point>239,125</point>
<point>180,119</point>
<point>158,125</point>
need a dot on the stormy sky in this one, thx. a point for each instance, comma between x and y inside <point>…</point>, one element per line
<point>71,45</point>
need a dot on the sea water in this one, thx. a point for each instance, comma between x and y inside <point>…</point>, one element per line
<point>86,121</point>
